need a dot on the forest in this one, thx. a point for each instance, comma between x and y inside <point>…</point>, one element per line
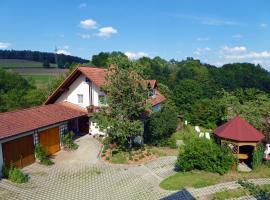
<point>202,94</point>
<point>62,61</point>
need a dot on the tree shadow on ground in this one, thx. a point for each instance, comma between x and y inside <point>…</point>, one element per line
<point>180,195</point>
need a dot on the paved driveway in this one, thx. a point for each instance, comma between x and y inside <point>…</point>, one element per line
<point>81,175</point>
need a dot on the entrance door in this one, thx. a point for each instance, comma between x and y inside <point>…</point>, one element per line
<point>19,152</point>
<point>50,140</point>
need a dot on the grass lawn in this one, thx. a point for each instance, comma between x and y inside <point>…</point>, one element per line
<point>18,63</point>
<point>40,80</point>
<point>199,179</point>
<point>236,193</point>
<point>229,194</point>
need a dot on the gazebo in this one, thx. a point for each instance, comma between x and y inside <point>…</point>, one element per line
<point>240,136</point>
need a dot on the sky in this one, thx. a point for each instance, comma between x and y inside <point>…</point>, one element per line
<point>214,31</point>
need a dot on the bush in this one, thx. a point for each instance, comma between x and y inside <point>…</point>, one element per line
<point>42,155</point>
<point>257,157</point>
<point>14,174</point>
<point>203,154</point>
<point>161,125</point>
<point>68,141</point>
<point>254,190</point>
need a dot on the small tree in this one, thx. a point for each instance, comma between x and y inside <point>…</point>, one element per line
<point>127,97</point>
<point>161,125</point>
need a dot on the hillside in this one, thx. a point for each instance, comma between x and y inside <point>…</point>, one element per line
<point>46,59</point>
<point>20,63</point>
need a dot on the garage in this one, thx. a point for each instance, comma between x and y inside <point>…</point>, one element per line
<point>50,140</point>
<point>19,152</point>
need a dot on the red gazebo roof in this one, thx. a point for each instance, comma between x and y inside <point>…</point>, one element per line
<point>239,130</point>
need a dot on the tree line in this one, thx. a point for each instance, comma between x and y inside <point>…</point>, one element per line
<point>62,60</point>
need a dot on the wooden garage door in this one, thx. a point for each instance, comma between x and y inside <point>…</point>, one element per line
<point>50,140</point>
<point>19,152</point>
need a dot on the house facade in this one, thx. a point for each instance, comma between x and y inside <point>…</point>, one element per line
<point>68,108</point>
<point>83,88</point>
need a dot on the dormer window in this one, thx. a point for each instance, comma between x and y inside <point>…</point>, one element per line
<point>80,98</point>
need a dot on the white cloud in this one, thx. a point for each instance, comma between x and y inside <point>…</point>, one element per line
<point>88,24</point>
<point>249,55</point>
<point>135,55</point>
<point>237,36</point>
<point>4,45</point>
<point>82,5</point>
<point>263,25</point>
<point>106,32</point>
<point>199,51</point>
<point>236,49</point>
<point>63,51</point>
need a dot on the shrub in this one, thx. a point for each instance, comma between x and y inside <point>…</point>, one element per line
<point>161,125</point>
<point>203,154</point>
<point>42,155</point>
<point>254,190</point>
<point>257,157</point>
<point>107,158</point>
<point>14,174</point>
<point>68,141</point>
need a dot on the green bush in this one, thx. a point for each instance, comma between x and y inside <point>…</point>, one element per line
<point>68,141</point>
<point>161,125</point>
<point>14,174</point>
<point>42,155</point>
<point>256,191</point>
<point>203,154</point>
<point>257,157</point>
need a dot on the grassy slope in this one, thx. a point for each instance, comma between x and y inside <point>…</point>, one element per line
<point>17,63</point>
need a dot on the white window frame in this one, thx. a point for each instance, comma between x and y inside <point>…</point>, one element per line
<point>80,98</point>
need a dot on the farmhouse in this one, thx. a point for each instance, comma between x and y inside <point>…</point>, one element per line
<point>68,108</point>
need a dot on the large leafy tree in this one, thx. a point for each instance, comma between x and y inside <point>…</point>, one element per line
<point>16,92</point>
<point>253,105</point>
<point>127,102</point>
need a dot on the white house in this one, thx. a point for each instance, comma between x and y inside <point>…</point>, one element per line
<point>68,108</point>
<point>83,88</point>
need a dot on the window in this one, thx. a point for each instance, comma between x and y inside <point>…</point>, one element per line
<point>80,98</point>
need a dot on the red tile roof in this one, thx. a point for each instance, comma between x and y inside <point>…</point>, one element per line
<point>98,76</point>
<point>152,83</point>
<point>238,129</point>
<point>21,121</point>
<point>159,98</point>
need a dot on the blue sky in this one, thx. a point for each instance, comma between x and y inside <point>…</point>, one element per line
<point>215,31</point>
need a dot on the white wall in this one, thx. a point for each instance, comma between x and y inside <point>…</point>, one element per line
<point>79,86</point>
<point>95,94</point>
<point>1,159</point>
<point>94,130</point>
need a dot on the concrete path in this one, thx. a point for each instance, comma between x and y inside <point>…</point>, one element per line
<point>81,175</point>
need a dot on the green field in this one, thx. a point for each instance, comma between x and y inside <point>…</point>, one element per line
<point>17,63</point>
<point>40,80</point>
